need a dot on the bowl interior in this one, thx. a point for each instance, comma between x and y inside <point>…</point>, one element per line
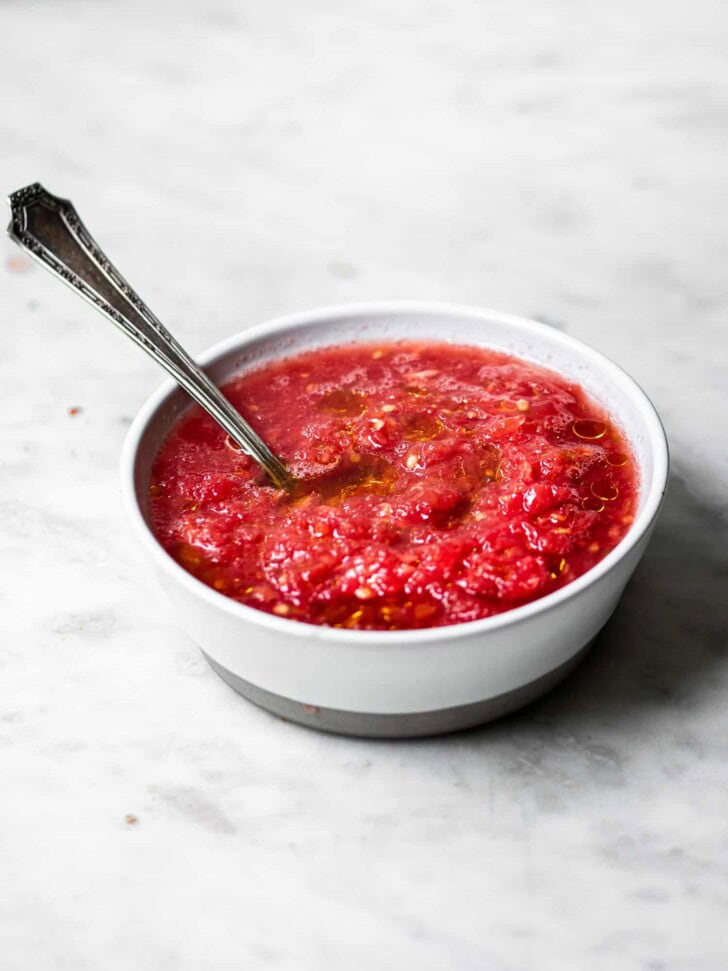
<point>608,384</point>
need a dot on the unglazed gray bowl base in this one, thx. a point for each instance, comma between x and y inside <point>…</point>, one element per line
<point>408,725</point>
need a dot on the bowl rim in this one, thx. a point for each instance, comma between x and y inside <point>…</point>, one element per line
<point>643,521</point>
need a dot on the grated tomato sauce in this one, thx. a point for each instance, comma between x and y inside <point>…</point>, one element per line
<point>488,482</point>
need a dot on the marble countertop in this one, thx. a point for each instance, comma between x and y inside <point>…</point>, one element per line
<point>240,161</point>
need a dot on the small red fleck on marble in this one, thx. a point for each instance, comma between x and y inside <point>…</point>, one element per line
<point>18,264</point>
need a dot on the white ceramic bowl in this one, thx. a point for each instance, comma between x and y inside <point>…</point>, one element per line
<point>403,683</point>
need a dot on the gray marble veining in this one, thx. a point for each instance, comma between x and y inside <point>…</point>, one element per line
<point>555,159</point>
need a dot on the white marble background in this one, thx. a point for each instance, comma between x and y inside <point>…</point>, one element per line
<point>561,159</point>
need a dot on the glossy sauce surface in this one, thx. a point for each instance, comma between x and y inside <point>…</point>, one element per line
<point>455,483</point>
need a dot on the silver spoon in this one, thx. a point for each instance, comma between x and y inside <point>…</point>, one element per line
<point>50,230</point>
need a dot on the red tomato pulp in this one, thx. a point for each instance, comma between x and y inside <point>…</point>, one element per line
<point>489,482</point>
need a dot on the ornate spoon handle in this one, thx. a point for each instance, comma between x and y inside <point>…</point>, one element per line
<point>50,230</point>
